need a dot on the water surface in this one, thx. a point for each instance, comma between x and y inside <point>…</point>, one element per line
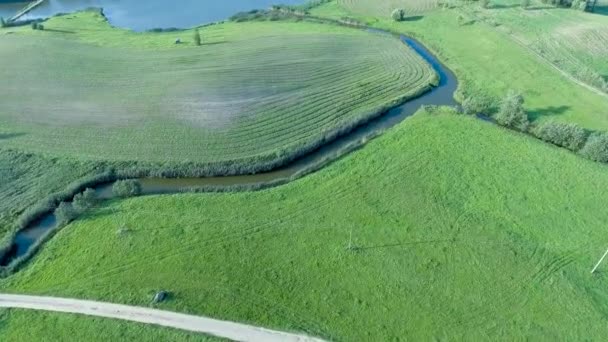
<point>140,15</point>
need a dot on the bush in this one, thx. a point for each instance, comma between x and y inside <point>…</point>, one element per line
<point>596,148</point>
<point>525,3</point>
<point>85,200</point>
<point>126,188</point>
<point>34,26</point>
<point>570,136</point>
<point>197,37</point>
<point>512,113</point>
<point>65,213</point>
<point>478,104</point>
<point>398,14</point>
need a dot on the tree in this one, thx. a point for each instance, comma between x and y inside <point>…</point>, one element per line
<point>3,22</point>
<point>85,200</point>
<point>566,135</point>
<point>34,25</point>
<point>596,148</point>
<point>512,113</point>
<point>197,37</point>
<point>126,188</point>
<point>65,213</point>
<point>398,14</point>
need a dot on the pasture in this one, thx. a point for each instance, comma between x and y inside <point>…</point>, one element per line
<point>458,228</point>
<point>252,93</point>
<point>491,62</point>
<point>575,41</point>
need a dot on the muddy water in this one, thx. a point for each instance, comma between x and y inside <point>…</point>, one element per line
<point>441,95</point>
<point>142,15</point>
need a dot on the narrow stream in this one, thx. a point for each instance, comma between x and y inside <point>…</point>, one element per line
<point>442,95</point>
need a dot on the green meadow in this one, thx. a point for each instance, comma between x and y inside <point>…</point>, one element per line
<point>457,229</point>
<point>490,62</point>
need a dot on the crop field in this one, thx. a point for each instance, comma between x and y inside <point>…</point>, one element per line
<point>81,328</point>
<point>458,228</point>
<point>575,41</point>
<point>491,63</point>
<point>248,94</point>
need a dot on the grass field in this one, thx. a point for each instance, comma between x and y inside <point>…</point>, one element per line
<point>254,91</point>
<point>67,327</point>
<point>491,63</point>
<point>575,41</point>
<point>461,229</point>
<point>28,178</point>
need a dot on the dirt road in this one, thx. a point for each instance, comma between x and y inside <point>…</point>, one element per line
<point>224,329</point>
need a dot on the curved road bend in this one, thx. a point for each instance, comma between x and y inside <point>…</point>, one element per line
<point>225,329</point>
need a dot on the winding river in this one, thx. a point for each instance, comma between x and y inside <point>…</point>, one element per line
<point>442,95</point>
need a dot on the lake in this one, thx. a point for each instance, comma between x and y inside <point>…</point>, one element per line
<point>140,15</point>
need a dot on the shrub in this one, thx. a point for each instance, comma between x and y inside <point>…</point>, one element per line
<point>40,27</point>
<point>596,148</point>
<point>65,213</point>
<point>570,136</point>
<point>478,104</point>
<point>512,113</point>
<point>398,14</point>
<point>525,3</point>
<point>34,25</point>
<point>85,200</point>
<point>126,188</point>
<point>197,37</point>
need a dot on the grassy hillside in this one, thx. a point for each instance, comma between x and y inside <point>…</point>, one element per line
<point>61,327</point>
<point>253,92</point>
<point>459,228</point>
<point>490,62</point>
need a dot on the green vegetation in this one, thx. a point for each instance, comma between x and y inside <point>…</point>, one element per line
<point>85,200</point>
<point>398,14</point>
<point>249,98</point>
<point>28,180</point>
<point>512,113</point>
<point>62,327</point>
<point>574,41</point>
<point>496,60</point>
<point>197,37</point>
<point>596,147</point>
<point>65,213</point>
<point>461,228</point>
<point>570,136</point>
<point>126,188</point>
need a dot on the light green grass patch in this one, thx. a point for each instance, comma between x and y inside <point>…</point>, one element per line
<point>460,229</point>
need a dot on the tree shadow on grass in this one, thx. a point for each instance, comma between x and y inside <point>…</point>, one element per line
<point>59,31</point>
<point>413,18</point>
<point>547,111</point>
<point>4,136</point>
<point>404,244</point>
<point>503,6</point>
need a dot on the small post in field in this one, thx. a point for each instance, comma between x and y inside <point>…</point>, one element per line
<point>599,262</point>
